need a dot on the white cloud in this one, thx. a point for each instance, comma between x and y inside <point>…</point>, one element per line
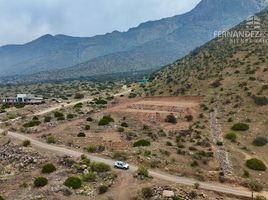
<point>25,20</point>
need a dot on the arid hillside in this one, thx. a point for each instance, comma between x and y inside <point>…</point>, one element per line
<point>231,72</point>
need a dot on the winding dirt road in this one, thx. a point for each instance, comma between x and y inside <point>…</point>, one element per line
<point>216,187</point>
<point>234,190</point>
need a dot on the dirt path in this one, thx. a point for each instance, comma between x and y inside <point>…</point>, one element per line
<point>227,189</point>
<point>118,192</point>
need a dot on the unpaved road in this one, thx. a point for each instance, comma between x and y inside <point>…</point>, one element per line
<point>66,105</point>
<point>238,191</point>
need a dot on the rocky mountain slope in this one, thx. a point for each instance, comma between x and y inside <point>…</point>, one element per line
<point>148,46</point>
<point>231,73</point>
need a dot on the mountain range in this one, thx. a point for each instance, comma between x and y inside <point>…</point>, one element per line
<point>146,47</point>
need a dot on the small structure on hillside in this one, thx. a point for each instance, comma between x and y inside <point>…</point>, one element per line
<point>23,99</point>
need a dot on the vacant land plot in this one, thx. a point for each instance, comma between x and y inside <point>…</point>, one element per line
<point>154,110</point>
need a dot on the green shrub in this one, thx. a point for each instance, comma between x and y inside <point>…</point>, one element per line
<point>256,164</point>
<point>143,171</point>
<point>92,148</point>
<point>89,119</point>
<point>40,182</point>
<point>19,105</point>
<point>90,177</point>
<point>132,95</point>
<point>258,197</point>
<point>79,96</point>
<point>260,100</point>
<point>177,198</point>
<point>142,143</point>
<point>73,182</point>
<point>103,189</point>
<point>240,127</point>
<point>87,127</point>
<point>147,192</point>
<point>254,186</point>
<point>194,164</point>
<point>100,101</point>
<point>231,136</point>
<point>51,140</point>
<point>32,124</point>
<point>120,155</point>
<point>61,118</point>
<point>124,124</point>
<point>81,134</point>
<point>171,119</point>
<point>260,141</point>
<point>121,129</point>
<point>85,160</point>
<point>70,116</point>
<point>246,174</point>
<point>26,143</point>
<point>47,119</point>
<point>168,143</point>
<point>105,120</point>
<point>189,118</point>
<point>35,118</point>
<point>48,168</point>
<point>78,106</point>
<point>100,167</point>
<point>58,114</point>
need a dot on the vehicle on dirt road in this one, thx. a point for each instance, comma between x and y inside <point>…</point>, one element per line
<point>121,165</point>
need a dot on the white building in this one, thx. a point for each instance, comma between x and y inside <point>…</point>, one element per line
<point>24,99</point>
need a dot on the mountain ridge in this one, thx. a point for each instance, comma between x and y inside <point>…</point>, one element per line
<point>140,48</point>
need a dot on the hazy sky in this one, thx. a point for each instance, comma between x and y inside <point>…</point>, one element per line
<point>24,20</point>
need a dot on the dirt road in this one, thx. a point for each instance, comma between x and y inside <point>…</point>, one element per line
<point>66,105</point>
<point>216,187</point>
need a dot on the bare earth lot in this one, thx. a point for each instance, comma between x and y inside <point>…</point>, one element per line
<point>153,110</point>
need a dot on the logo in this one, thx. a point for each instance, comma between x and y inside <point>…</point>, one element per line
<point>253,31</point>
<point>253,22</point>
